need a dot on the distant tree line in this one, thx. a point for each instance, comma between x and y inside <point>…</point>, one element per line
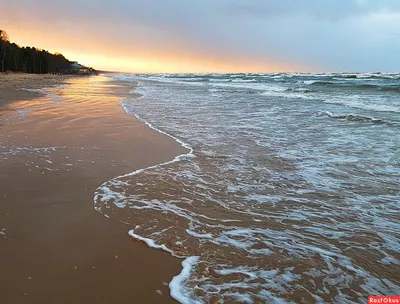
<point>29,59</point>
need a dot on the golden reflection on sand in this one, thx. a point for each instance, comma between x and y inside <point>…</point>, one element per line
<point>54,151</point>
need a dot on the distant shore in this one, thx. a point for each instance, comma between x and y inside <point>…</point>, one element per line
<point>55,150</point>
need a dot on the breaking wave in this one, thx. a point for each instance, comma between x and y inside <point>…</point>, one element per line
<point>271,204</point>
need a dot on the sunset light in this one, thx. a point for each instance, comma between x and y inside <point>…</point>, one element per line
<point>140,59</point>
<point>199,151</point>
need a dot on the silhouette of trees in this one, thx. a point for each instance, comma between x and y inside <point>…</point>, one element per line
<point>29,59</point>
<point>3,42</point>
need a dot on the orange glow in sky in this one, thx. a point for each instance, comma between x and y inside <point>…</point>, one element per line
<point>203,36</point>
<point>95,51</point>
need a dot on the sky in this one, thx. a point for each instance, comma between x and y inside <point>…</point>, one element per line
<point>178,36</point>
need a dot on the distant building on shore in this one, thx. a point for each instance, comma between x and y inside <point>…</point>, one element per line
<point>77,68</point>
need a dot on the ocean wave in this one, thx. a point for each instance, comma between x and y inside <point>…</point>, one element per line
<point>393,76</point>
<point>180,79</point>
<point>265,87</point>
<point>220,80</point>
<point>301,90</point>
<point>244,80</point>
<point>362,102</point>
<point>124,77</point>
<point>139,90</point>
<point>291,93</point>
<point>177,81</point>
<point>355,86</point>
<point>262,223</point>
<point>288,94</point>
<point>104,192</point>
<point>358,118</point>
<point>364,96</point>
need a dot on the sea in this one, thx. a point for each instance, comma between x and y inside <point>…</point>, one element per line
<point>288,192</point>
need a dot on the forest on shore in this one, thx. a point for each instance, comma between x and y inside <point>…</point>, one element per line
<point>30,59</point>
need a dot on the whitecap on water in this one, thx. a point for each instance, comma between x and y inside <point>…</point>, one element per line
<point>271,203</point>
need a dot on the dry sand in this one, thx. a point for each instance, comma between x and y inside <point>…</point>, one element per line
<point>54,248</point>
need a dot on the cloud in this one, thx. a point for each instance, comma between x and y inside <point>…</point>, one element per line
<point>334,35</point>
<point>327,10</point>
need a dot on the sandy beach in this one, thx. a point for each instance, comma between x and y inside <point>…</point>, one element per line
<point>12,84</point>
<point>56,147</point>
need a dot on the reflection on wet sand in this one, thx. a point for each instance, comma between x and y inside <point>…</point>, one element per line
<point>54,151</point>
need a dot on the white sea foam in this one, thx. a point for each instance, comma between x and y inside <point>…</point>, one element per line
<point>150,242</point>
<point>244,80</point>
<point>139,90</point>
<point>272,184</point>
<point>357,117</point>
<point>177,285</point>
<point>360,102</point>
<point>183,144</point>
<point>285,94</point>
<point>308,82</point>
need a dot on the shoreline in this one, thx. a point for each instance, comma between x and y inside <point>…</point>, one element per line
<point>175,285</point>
<point>47,212</point>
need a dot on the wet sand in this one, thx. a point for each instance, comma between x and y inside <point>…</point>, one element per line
<point>54,151</point>
<point>11,85</point>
